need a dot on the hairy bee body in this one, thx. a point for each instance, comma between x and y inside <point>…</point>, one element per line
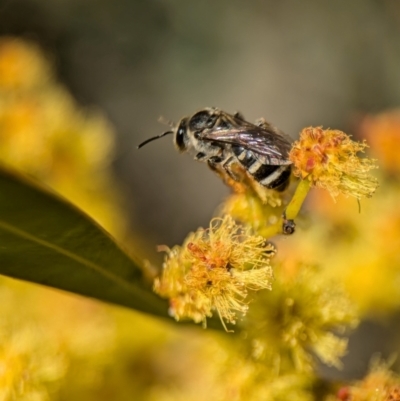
<point>226,141</point>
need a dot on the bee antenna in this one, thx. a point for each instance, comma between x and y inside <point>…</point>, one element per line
<point>153,138</point>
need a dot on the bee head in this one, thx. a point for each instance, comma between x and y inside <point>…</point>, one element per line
<point>188,129</point>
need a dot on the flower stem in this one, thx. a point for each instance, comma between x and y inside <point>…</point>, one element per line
<point>294,206</point>
<point>291,211</point>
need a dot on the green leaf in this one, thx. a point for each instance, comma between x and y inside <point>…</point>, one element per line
<point>46,240</point>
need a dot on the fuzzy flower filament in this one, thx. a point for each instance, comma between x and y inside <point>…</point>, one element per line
<point>328,159</point>
<point>214,270</point>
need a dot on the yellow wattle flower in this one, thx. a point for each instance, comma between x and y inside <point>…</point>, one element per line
<point>328,159</point>
<point>304,316</point>
<point>214,270</point>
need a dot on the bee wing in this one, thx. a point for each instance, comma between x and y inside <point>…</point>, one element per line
<point>271,144</point>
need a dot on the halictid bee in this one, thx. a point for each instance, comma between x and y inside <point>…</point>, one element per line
<point>223,141</point>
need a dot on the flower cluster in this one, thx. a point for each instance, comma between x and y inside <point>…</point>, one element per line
<point>328,159</point>
<point>250,380</point>
<point>305,311</point>
<point>214,270</point>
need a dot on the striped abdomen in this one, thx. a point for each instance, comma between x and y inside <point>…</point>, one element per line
<point>270,176</point>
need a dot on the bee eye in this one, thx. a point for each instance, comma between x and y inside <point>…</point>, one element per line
<point>197,135</point>
<point>180,136</point>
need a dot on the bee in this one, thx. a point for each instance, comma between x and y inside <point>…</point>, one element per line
<point>224,141</point>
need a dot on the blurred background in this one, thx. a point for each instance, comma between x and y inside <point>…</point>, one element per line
<point>128,63</point>
<point>295,63</point>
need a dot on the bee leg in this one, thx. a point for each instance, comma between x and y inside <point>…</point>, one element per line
<point>200,156</point>
<point>226,166</point>
<point>213,163</point>
<point>214,160</point>
<point>239,115</point>
<point>288,226</point>
<point>270,249</point>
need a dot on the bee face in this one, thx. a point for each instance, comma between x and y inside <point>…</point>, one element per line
<point>188,132</point>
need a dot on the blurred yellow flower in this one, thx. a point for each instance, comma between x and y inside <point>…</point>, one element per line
<point>328,159</point>
<point>249,209</point>
<point>382,132</point>
<point>20,66</point>
<point>214,270</point>
<point>244,379</point>
<point>45,134</point>
<point>305,314</point>
<point>359,249</point>
<point>44,334</point>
